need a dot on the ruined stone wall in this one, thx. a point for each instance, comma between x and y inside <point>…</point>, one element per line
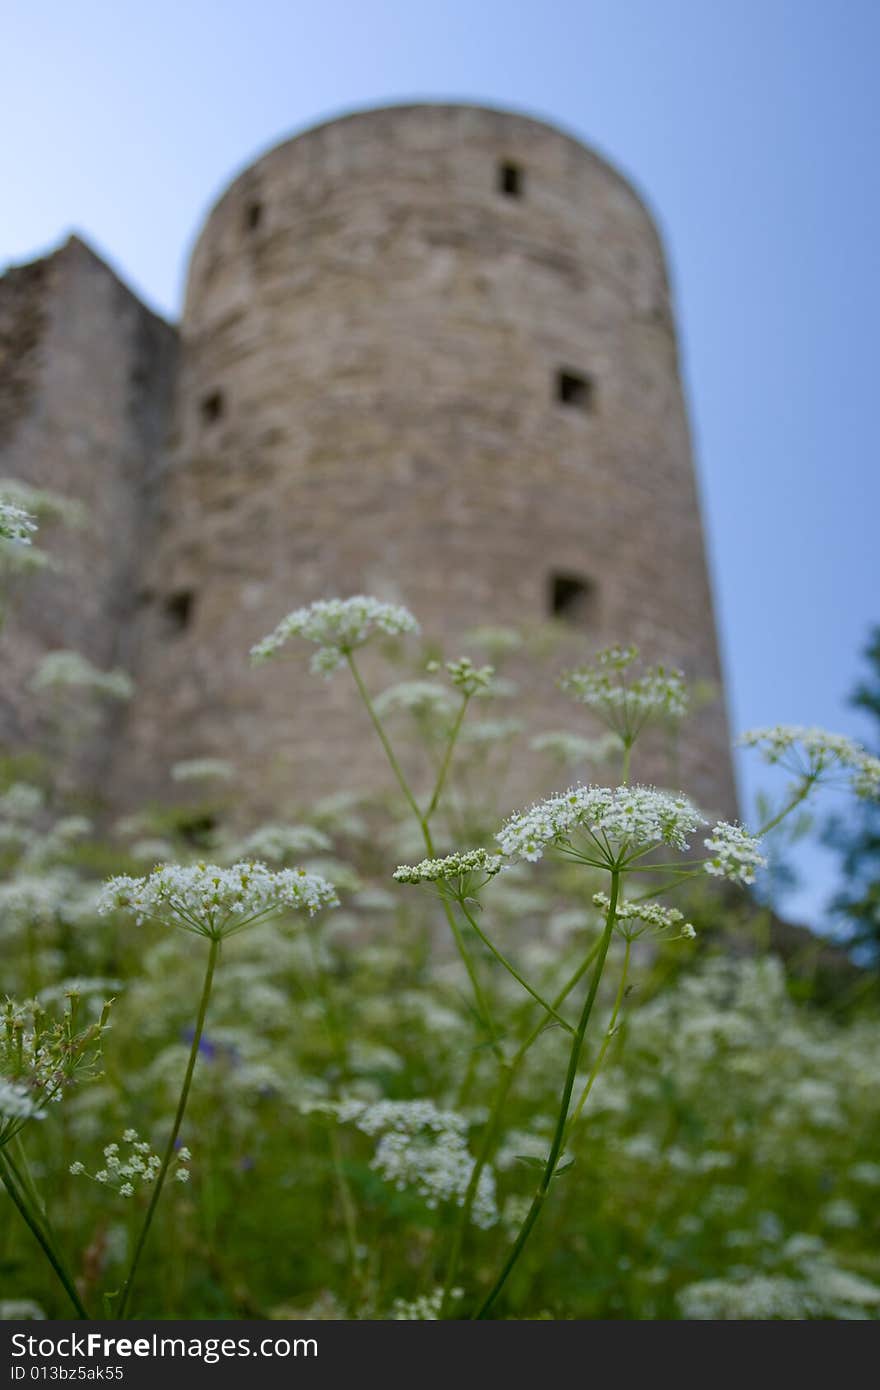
<point>87,377</point>
<point>377,316</point>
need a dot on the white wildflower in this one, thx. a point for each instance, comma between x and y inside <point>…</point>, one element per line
<point>572,749</point>
<point>182,1175</point>
<point>338,626</point>
<point>126,1190</point>
<point>485,731</point>
<point>453,866</point>
<point>66,670</point>
<point>468,678</point>
<point>17,1103</point>
<point>735,854</point>
<point>626,819</point>
<point>425,1150</point>
<point>424,699</point>
<point>215,902</point>
<point>654,917</point>
<point>276,843</point>
<point>16,524</point>
<point>202,770</point>
<point>425,1308</point>
<point>815,755</point>
<point>627,705</point>
<point>21,802</point>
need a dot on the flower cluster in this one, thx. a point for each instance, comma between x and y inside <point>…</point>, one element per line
<point>125,1172</point>
<point>423,1149</point>
<point>277,843</point>
<point>16,524</point>
<point>424,699</point>
<point>65,670</point>
<point>735,854</point>
<point>41,1056</point>
<point>468,678</point>
<point>634,919</point>
<point>453,866</point>
<point>338,626</point>
<point>203,770</point>
<point>215,902</point>
<point>626,706</point>
<point>815,755</point>
<point>425,1307</point>
<point>569,748</point>
<point>616,821</point>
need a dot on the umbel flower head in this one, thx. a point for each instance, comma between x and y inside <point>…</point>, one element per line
<point>41,1056</point>
<point>16,524</point>
<point>338,626</point>
<point>735,854</point>
<point>65,670</point>
<point>624,704</point>
<point>814,755</point>
<point>615,821</point>
<point>454,867</point>
<point>210,901</point>
<point>634,919</point>
<point>131,1164</point>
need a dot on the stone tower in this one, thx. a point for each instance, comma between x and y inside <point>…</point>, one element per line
<point>427,352</point>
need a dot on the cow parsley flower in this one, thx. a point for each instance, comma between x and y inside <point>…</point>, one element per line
<point>626,705</point>
<point>131,1164</point>
<point>460,866</point>
<point>41,1056</point>
<point>214,902</point>
<point>735,854</point>
<point>426,1307</point>
<point>16,524</point>
<point>653,917</point>
<point>424,699</point>
<point>423,1149</point>
<point>571,749</point>
<point>338,626</point>
<point>203,770</point>
<point>66,670</point>
<point>814,755</point>
<point>468,678</point>
<point>277,843</point>
<point>616,821</point>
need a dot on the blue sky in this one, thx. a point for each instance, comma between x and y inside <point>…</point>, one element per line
<point>752,128</point>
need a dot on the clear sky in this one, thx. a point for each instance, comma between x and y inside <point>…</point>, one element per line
<point>750,125</point>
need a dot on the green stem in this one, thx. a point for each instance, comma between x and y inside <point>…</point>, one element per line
<point>559,1132</point>
<point>786,810</point>
<point>7,1176</point>
<point>627,755</point>
<point>447,759</point>
<point>337,1042</point>
<point>383,739</point>
<point>175,1128</point>
<point>490,945</point>
<point>508,1076</point>
<point>467,960</point>
<point>600,1058</point>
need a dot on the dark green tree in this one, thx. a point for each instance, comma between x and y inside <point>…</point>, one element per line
<point>857,838</point>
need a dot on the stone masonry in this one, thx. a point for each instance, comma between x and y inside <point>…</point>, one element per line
<point>427,352</point>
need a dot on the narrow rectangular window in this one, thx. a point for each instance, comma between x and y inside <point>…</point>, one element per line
<point>574,389</point>
<point>212,407</point>
<point>510,180</point>
<point>572,598</point>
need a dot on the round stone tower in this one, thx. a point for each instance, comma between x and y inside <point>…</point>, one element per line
<point>427,353</point>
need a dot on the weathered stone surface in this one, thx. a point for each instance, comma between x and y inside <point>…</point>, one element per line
<point>88,373</point>
<point>367,401</point>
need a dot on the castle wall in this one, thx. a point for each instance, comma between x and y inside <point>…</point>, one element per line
<point>369,402</point>
<point>87,375</point>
